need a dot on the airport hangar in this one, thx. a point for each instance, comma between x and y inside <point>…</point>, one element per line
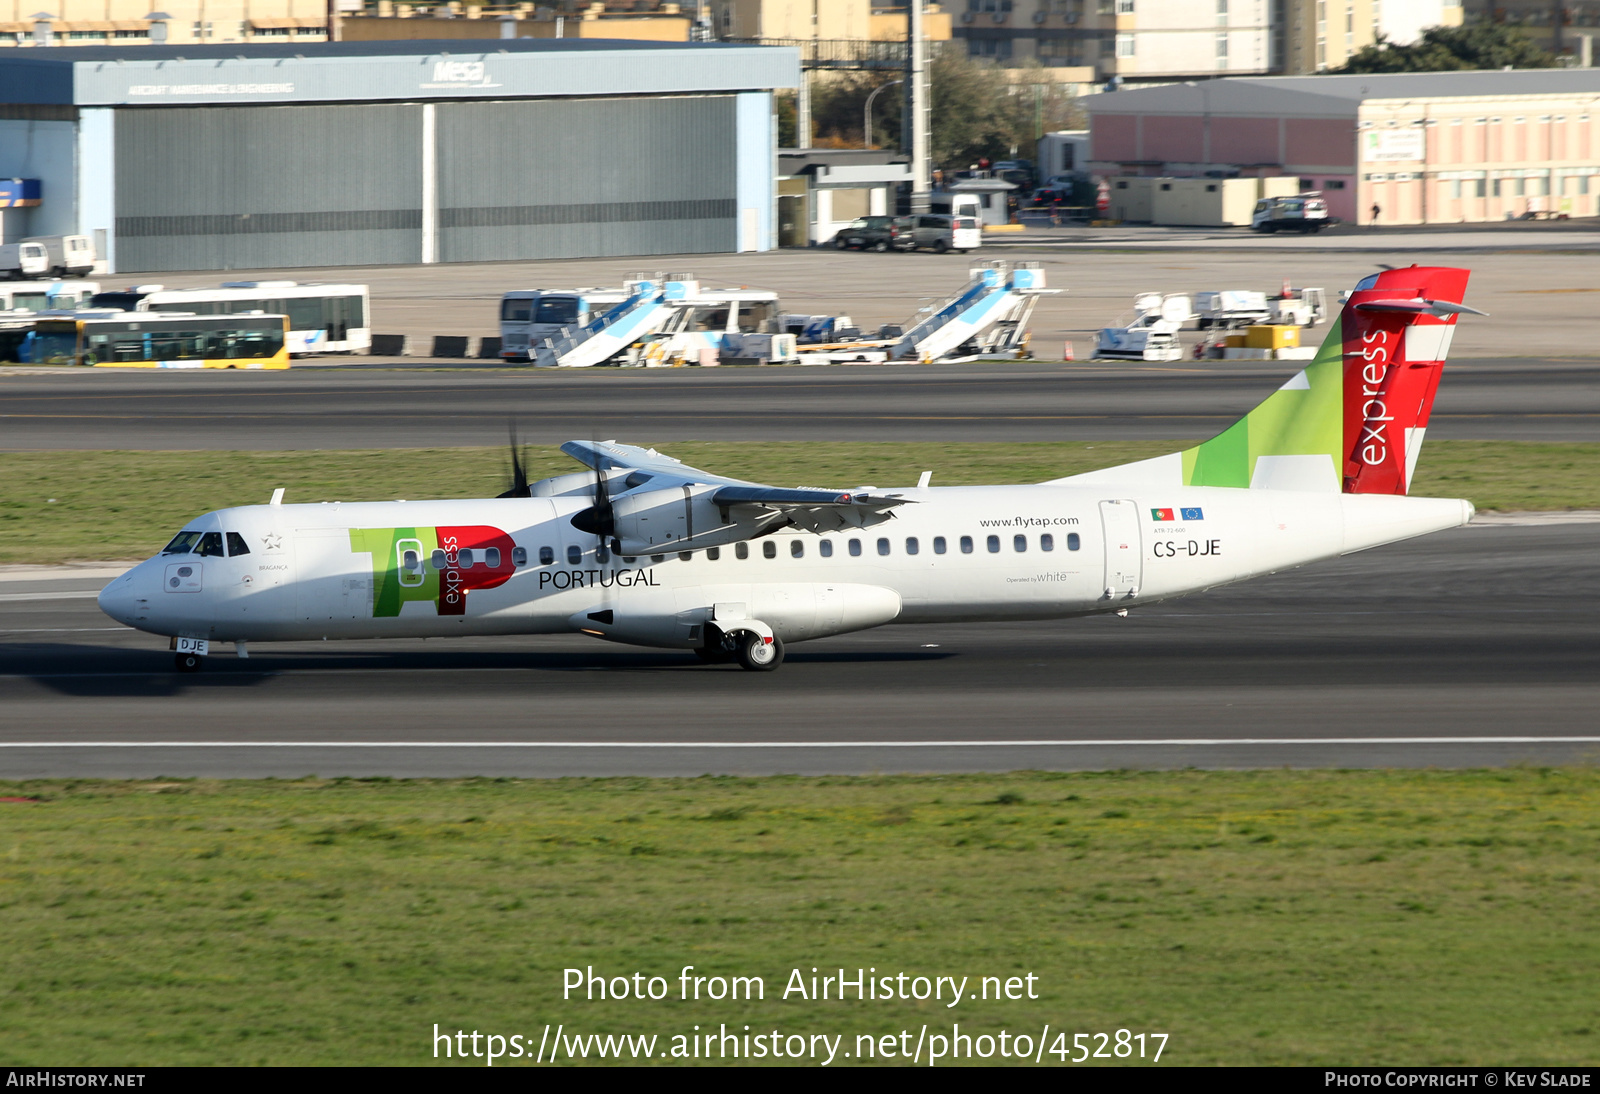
<point>349,153</point>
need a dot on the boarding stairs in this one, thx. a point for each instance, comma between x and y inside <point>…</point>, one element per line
<point>644,312</point>
<point>989,315</point>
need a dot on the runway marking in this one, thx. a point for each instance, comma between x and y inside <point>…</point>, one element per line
<point>12,598</point>
<point>1163,742</point>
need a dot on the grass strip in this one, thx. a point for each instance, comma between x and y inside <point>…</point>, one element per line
<point>1280,917</point>
<point>60,506</point>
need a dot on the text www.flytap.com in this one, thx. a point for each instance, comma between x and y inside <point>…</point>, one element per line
<point>558,1045</point>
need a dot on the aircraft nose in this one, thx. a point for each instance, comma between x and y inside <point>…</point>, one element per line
<point>121,599</point>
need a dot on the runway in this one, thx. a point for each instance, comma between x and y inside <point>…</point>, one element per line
<point>317,408</point>
<point>1467,648</point>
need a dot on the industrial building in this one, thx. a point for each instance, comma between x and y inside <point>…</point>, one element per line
<point>1424,147</point>
<point>347,153</point>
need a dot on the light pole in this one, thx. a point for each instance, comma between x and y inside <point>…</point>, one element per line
<point>867,113</point>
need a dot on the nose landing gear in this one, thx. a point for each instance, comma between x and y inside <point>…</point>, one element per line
<point>189,662</point>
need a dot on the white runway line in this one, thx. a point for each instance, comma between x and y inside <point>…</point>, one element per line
<point>11,598</point>
<point>1167,741</point>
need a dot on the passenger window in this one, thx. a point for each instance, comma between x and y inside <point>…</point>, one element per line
<point>464,558</point>
<point>1019,544</point>
<point>911,545</point>
<point>439,560</point>
<point>1047,542</point>
<point>741,550</point>
<point>547,555</point>
<point>994,545</point>
<point>966,545</point>
<point>713,553</point>
<point>855,548</point>
<point>574,554</point>
<point>519,556</point>
<point>883,546</point>
<point>236,545</point>
<point>491,557</point>
<point>769,549</point>
<point>938,545</point>
<point>181,544</point>
<point>797,548</point>
<point>825,548</point>
<point>1072,541</point>
<point>210,545</point>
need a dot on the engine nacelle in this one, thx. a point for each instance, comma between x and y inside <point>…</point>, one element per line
<point>683,518</point>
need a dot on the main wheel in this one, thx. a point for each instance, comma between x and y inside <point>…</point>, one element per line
<point>841,244</point>
<point>941,246</point>
<point>188,662</point>
<point>757,654</point>
<point>880,246</point>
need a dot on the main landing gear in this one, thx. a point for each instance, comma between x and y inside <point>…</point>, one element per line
<point>753,651</point>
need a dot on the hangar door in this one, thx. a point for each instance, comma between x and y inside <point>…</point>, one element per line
<point>561,178</point>
<point>260,186</point>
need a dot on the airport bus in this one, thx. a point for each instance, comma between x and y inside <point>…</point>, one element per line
<point>33,296</point>
<point>105,338</point>
<point>322,318</point>
<point>528,316</point>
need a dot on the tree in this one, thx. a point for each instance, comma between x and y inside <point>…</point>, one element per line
<point>1453,49</point>
<point>976,110</point>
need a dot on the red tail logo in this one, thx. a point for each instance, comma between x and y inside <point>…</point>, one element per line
<point>1396,328</point>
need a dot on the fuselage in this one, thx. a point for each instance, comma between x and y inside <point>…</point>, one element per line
<point>519,566</point>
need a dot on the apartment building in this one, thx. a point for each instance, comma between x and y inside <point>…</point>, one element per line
<point>124,22</point>
<point>1320,35</point>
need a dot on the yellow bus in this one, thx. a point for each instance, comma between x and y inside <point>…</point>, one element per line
<point>160,340</point>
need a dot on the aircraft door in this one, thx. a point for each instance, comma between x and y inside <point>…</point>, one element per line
<point>1124,551</point>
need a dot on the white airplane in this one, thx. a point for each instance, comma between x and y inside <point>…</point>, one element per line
<point>646,550</point>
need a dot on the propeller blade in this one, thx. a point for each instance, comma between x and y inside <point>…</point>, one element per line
<point>519,473</point>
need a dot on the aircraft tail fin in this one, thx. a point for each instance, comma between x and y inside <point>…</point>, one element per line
<point>1353,420</point>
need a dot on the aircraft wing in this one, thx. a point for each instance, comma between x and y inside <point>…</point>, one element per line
<point>663,470</point>
<point>812,509</point>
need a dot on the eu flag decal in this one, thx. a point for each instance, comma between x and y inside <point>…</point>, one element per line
<point>1162,514</point>
<point>1193,514</point>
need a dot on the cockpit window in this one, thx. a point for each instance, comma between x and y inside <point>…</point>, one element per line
<point>182,543</point>
<point>210,545</point>
<point>236,545</point>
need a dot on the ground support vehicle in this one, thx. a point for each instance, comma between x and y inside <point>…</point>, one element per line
<point>66,256</point>
<point>1152,334</point>
<point>1300,213</point>
<point>940,233</point>
<point>23,260</point>
<point>875,234</point>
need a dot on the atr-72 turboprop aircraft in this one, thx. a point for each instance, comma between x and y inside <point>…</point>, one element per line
<point>644,549</point>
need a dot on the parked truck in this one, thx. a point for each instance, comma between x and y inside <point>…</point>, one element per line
<point>69,256</point>
<point>19,261</point>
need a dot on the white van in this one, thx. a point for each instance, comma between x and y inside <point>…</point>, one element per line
<point>946,233</point>
<point>23,260</point>
<point>69,256</point>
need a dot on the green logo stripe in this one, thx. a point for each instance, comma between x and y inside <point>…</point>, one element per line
<point>1300,421</point>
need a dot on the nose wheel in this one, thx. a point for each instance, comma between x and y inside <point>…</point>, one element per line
<point>189,662</point>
